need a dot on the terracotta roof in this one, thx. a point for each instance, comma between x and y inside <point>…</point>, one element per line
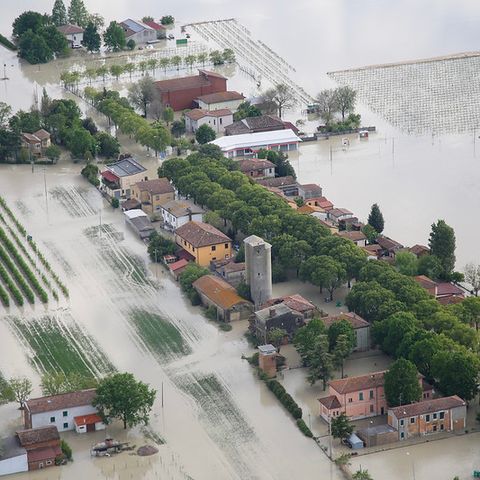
<point>338,212</point>
<point>62,401</point>
<point>388,244</point>
<point>201,234</point>
<point>33,436</point>
<point>110,176</point>
<point>254,164</point>
<point>175,266</point>
<point>255,124</point>
<point>234,267</point>
<point>418,249</point>
<point>306,209</point>
<point>90,419</point>
<point>374,248</point>
<point>321,202</point>
<point>353,235</point>
<point>450,299</point>
<point>427,406</point>
<point>218,291</point>
<point>155,25</point>
<point>42,134</point>
<point>46,453</point>
<point>185,83</point>
<point>198,113</point>
<point>362,382</point>
<point>425,282</point>
<point>295,302</point>
<point>220,97</point>
<point>446,288</point>
<point>330,402</point>
<point>277,181</point>
<point>70,29</point>
<point>30,138</point>
<point>157,186</point>
<point>312,188</point>
<point>352,318</point>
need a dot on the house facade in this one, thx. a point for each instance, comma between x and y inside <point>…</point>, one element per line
<point>219,294</point>
<point>176,213</point>
<point>73,34</point>
<point>257,169</point>
<point>203,242</point>
<point>220,101</point>
<point>118,178</point>
<point>36,142</point>
<point>389,247</point>
<point>360,326</point>
<point>58,411</point>
<point>231,272</point>
<point>337,214</point>
<point>215,119</point>
<point>13,457</point>
<point>356,236</point>
<point>151,194</point>
<point>437,415</point>
<point>277,316</point>
<point>309,190</point>
<point>42,445</point>
<point>138,31</point>
<point>180,93</point>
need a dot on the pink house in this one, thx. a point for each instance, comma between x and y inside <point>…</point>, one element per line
<point>359,397</point>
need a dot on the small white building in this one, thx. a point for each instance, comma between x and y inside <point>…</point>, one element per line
<point>139,222</point>
<point>73,34</point>
<point>220,100</point>
<point>138,31</point>
<point>60,410</point>
<point>13,457</point>
<point>179,212</point>
<point>216,119</point>
<point>249,144</point>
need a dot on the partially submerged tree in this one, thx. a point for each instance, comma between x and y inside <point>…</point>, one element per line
<point>281,96</point>
<point>276,336</point>
<point>341,427</point>
<point>327,105</point>
<point>114,37</point>
<point>91,38</point>
<point>401,383</point>
<point>18,389</point>
<point>375,219</point>
<point>320,361</point>
<point>77,13</point>
<point>142,93</point>
<point>345,100</point>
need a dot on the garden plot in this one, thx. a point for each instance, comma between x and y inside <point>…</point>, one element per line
<point>77,201</point>
<point>56,343</point>
<point>440,95</point>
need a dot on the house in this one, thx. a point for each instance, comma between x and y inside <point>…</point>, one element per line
<point>203,242</point>
<point>138,31</point>
<point>419,250</point>
<point>216,119</point>
<point>13,457</point>
<point>217,293</point>
<point>287,185</point>
<point>295,302</point>
<point>358,397</point>
<point>220,101</point>
<point>325,223</point>
<point>376,435</point>
<point>337,214</point>
<point>73,34</point>
<point>356,236</point>
<point>263,123</point>
<point>277,316</point>
<point>152,194</point>
<point>360,326</point>
<point>321,202</point>
<point>445,414</point>
<point>139,222</point>
<point>42,445</point>
<point>36,142</point>
<point>176,268</point>
<point>308,210</point>
<point>448,293</point>
<point>267,360</point>
<point>309,190</point>
<point>373,251</point>
<point>88,423</point>
<point>176,213</point>
<point>257,168</point>
<point>231,272</point>
<point>428,284</point>
<point>248,144</point>
<point>118,178</point>
<point>179,93</point>
<point>350,223</point>
<point>59,410</point>
<point>389,246</point>
<point>158,27</point>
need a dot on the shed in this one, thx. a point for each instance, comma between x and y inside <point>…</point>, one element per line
<point>355,442</point>
<point>139,222</point>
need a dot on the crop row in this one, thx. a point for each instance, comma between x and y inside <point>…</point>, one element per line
<point>17,275</point>
<point>20,227</point>
<point>4,297</point>
<point>23,266</point>
<point>11,286</point>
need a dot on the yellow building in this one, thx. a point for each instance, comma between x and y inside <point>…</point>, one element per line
<point>151,194</point>
<point>204,242</point>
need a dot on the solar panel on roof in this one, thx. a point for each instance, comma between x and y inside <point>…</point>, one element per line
<point>133,25</point>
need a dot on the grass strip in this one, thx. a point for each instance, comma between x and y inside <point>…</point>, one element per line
<point>11,286</point>
<point>7,43</point>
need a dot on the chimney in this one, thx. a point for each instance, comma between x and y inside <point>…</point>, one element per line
<point>189,211</point>
<point>271,312</point>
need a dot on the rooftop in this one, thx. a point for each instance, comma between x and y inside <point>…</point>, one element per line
<point>267,349</point>
<point>338,212</point>
<point>278,181</point>
<point>90,419</point>
<point>178,265</point>
<point>352,318</point>
<point>419,249</point>
<point>10,448</point>
<point>135,25</point>
<point>254,164</point>
<point>321,202</point>
<point>126,167</point>
<point>361,382</point>
<point>198,113</point>
<point>295,302</point>
<point>252,124</point>
<point>388,243</point>
<point>353,235</point>
<point>312,188</point>
<point>62,401</point>
<point>157,186</point>
<point>427,406</point>
<point>330,402</point>
<point>181,208</point>
<point>201,234</point>
<point>220,97</point>
<point>70,29</point>
<point>273,311</point>
<point>218,291</point>
<point>447,288</point>
<point>425,282</point>
<point>155,25</point>
<point>33,436</point>
<point>254,240</point>
<point>259,139</point>
<point>185,83</point>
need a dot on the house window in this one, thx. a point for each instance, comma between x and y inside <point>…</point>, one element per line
<point>442,427</point>
<point>221,122</point>
<point>48,462</point>
<point>402,435</point>
<point>193,248</point>
<point>427,418</point>
<point>412,420</point>
<point>65,425</point>
<point>434,428</point>
<point>226,245</point>
<point>214,258</point>
<point>402,423</point>
<point>434,416</point>
<point>371,394</point>
<point>52,419</point>
<point>442,415</point>
<point>214,248</point>
<point>371,408</point>
<point>350,400</point>
<point>360,396</point>
<point>65,413</point>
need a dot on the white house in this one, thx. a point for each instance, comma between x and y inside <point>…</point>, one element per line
<point>61,411</point>
<point>13,457</point>
<point>357,237</point>
<point>249,144</point>
<point>138,31</point>
<point>179,212</point>
<point>220,100</point>
<point>216,119</point>
<point>73,34</point>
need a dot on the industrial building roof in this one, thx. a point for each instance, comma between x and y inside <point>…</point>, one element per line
<point>126,167</point>
<point>256,140</point>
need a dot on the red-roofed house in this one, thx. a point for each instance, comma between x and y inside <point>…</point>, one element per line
<point>179,93</point>
<point>360,326</point>
<point>295,302</point>
<point>176,268</point>
<point>321,202</point>
<point>42,445</point>
<point>73,34</point>
<point>220,100</point>
<point>88,423</point>
<point>356,236</point>
<point>256,168</point>
<point>159,28</point>
<point>216,119</point>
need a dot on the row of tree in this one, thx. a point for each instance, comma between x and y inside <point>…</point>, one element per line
<point>341,101</point>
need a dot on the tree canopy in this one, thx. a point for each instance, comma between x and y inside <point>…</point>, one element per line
<point>205,134</point>
<point>114,37</point>
<point>375,218</point>
<point>402,384</point>
<point>442,246</point>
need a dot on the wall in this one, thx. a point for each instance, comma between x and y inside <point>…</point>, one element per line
<point>179,221</point>
<point>43,419</point>
<point>126,183</point>
<point>258,271</point>
<point>363,339</point>
<point>217,123</point>
<point>204,255</point>
<point>368,407</point>
<point>144,36</point>
<point>14,465</point>
<point>230,104</point>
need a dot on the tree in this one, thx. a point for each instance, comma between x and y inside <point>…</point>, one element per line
<point>320,362</point>
<point>114,37</point>
<point>56,383</point>
<point>430,266</point>
<point>108,146</point>
<point>176,61</point>
<point>345,99</point>
<point>344,346</point>
<point>34,49</point>
<point>97,20</point>
<point>53,153</point>
<point>306,337</point>
<point>54,39</point>
<point>190,60</point>
<point>142,93</point>
<point>116,71</point>
<point>59,13</point>
<point>401,383</point>
<point>121,396</point>
<point>276,336</point>
<point>178,128</point>
<point>342,327</point>
<point>33,21</point>
<point>362,475</point>
<point>406,263</point>
<point>228,55</point>
<point>341,427</point>
<point>327,105</point>
<point>91,38</point>
<point>80,141</point>
<point>164,62</point>
<point>281,96</point>
<point>159,246</point>
<point>375,219</point>
<point>216,57</point>
<point>5,112</point>
<point>131,44</point>
<point>205,134</point>
<point>167,20</point>
<point>472,271</point>
<point>323,271</point>
<point>19,389</point>
<point>189,274</point>
<point>77,13</point>
<point>147,18</point>
<point>442,246</point>
<point>168,115</point>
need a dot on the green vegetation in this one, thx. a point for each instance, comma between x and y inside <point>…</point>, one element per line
<point>362,475</point>
<point>191,273</point>
<point>17,276</point>
<point>7,43</point>
<point>17,389</point>
<point>11,286</point>
<point>340,100</point>
<point>159,246</point>
<point>375,219</point>
<point>285,398</point>
<point>304,428</point>
<point>161,337</point>
<point>246,110</point>
<point>91,173</point>
<point>55,383</point>
<point>283,167</point>
<point>341,427</point>
<point>114,37</point>
<point>66,449</point>
<point>167,20</point>
<point>205,134</point>
<point>401,383</point>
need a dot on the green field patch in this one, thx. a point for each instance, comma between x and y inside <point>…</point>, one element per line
<point>163,339</point>
<point>58,344</point>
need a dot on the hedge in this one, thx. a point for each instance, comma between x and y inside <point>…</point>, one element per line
<point>7,43</point>
<point>285,398</point>
<point>303,428</point>
<point>4,297</point>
